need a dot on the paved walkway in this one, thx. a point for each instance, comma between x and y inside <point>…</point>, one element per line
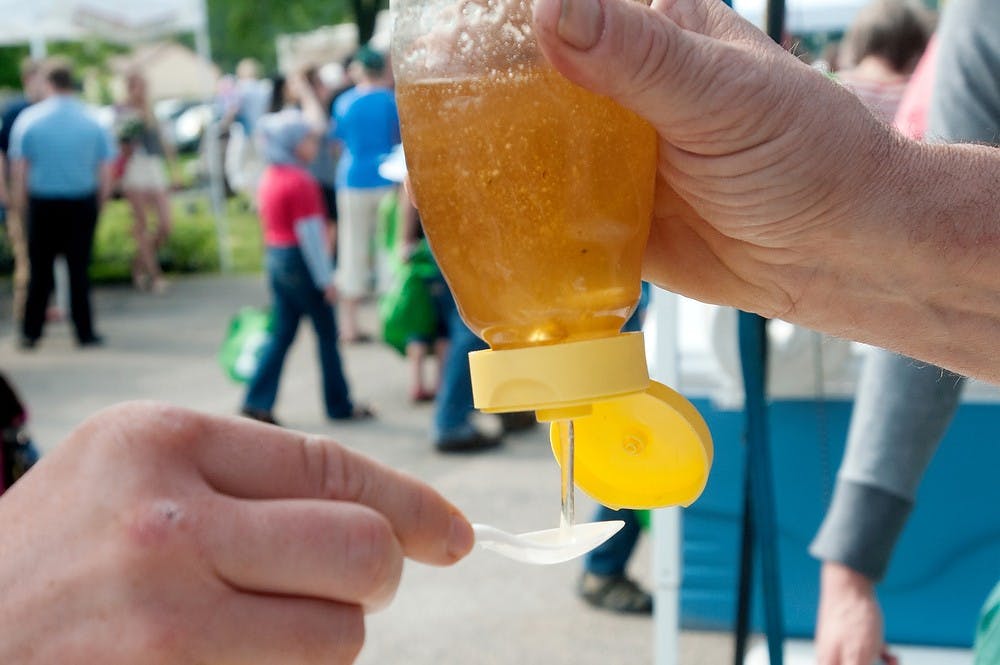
<point>486,609</point>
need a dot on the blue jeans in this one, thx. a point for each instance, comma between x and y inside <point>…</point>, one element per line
<point>611,556</point>
<point>454,400</point>
<point>295,295</point>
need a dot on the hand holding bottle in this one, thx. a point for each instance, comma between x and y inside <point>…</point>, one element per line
<point>779,193</point>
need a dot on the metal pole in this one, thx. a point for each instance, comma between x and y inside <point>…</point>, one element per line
<point>663,352</point>
<point>39,49</point>
<point>760,526</point>
<point>216,188</point>
<point>763,521</point>
<point>745,581</point>
<point>775,21</point>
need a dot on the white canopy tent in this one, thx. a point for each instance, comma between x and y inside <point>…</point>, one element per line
<point>115,20</point>
<point>39,22</point>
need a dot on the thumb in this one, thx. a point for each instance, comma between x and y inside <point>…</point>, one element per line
<point>669,63</point>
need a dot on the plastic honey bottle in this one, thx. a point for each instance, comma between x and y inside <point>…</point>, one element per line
<point>536,197</point>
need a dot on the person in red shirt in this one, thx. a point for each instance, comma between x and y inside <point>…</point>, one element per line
<point>298,266</point>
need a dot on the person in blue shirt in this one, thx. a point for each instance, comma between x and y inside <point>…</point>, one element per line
<point>366,122</point>
<point>61,160</point>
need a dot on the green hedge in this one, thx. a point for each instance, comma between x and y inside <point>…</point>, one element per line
<point>192,246</point>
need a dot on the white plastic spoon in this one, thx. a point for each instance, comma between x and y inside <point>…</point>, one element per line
<point>548,546</point>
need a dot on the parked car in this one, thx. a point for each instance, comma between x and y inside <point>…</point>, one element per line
<point>184,122</point>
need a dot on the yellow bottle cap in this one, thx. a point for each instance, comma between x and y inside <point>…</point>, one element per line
<point>648,449</point>
<point>558,376</point>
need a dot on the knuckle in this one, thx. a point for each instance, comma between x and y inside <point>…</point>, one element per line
<point>375,558</point>
<point>331,470</point>
<point>655,60</point>
<point>145,421</point>
<point>323,466</point>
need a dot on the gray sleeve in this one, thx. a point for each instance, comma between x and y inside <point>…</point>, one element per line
<point>965,103</point>
<point>311,236</point>
<point>902,408</point>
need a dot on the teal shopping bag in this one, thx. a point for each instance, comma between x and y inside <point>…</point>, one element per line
<point>244,344</point>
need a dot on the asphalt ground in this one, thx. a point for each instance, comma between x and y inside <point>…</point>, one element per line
<point>484,610</point>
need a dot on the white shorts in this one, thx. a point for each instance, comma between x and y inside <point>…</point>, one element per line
<point>358,219</point>
<point>145,173</point>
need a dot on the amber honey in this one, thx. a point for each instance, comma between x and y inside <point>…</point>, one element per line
<point>536,197</point>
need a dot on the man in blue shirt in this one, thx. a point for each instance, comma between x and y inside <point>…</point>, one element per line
<point>366,121</point>
<point>61,160</point>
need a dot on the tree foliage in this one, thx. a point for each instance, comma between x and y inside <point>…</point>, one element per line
<point>364,16</point>
<point>89,55</point>
<point>248,28</point>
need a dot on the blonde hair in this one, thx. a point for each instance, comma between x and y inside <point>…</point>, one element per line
<point>146,108</point>
<point>248,68</point>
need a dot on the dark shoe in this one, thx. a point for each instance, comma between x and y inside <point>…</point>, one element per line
<point>93,341</point>
<point>616,593</point>
<point>359,338</point>
<point>519,421</point>
<point>471,443</point>
<point>27,344</point>
<point>260,415</point>
<point>360,412</point>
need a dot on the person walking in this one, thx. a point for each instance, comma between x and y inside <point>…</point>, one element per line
<point>298,266</point>
<point>145,182</point>
<point>243,109</point>
<point>31,82</point>
<point>61,159</point>
<point>366,121</point>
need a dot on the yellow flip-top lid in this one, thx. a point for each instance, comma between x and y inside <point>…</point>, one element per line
<point>638,444</point>
<point>643,450</point>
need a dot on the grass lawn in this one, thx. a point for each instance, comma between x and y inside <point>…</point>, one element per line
<point>192,247</point>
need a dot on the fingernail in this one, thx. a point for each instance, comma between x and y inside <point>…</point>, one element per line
<point>460,537</point>
<point>581,22</point>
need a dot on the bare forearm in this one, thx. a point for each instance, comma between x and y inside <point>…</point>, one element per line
<point>19,185</point>
<point>312,108</point>
<point>919,270</point>
<point>106,182</point>
<point>5,198</point>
